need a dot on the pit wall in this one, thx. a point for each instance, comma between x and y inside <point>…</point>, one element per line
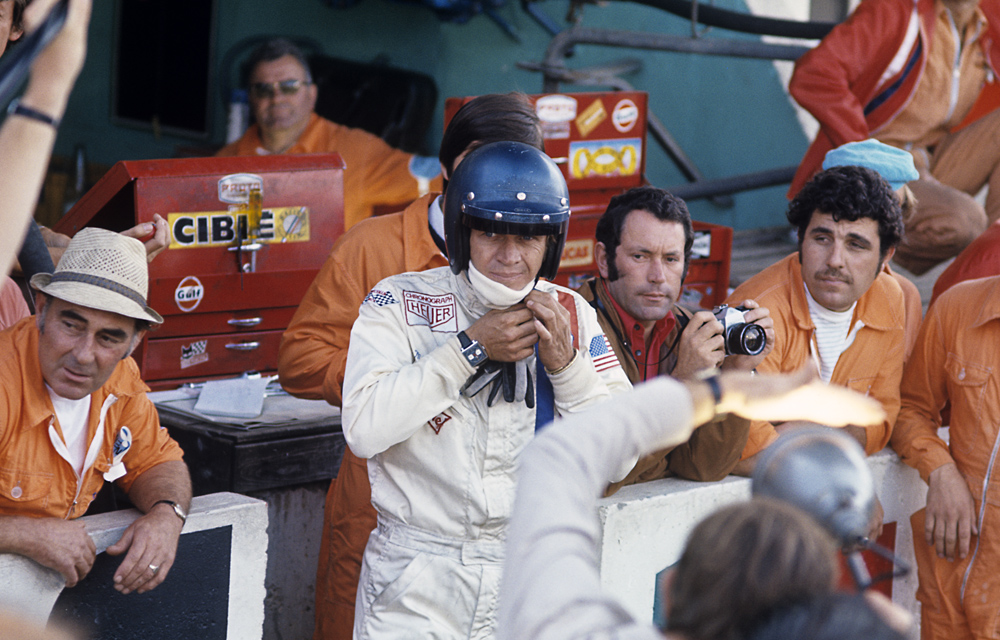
<point>645,527</point>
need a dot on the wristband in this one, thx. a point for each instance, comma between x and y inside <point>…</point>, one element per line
<point>713,384</point>
<point>18,109</point>
<point>565,366</point>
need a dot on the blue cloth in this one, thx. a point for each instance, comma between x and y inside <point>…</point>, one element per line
<point>894,165</point>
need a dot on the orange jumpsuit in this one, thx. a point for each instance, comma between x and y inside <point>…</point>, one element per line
<point>376,173</point>
<point>957,361</point>
<point>872,365</point>
<point>978,260</point>
<point>311,363</point>
<point>34,479</point>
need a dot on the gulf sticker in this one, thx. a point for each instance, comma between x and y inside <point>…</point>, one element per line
<point>555,108</point>
<point>577,253</point>
<point>213,228</point>
<point>625,115</point>
<point>604,158</point>
<point>189,293</point>
<point>592,116</point>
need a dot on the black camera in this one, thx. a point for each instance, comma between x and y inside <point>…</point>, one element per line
<point>742,338</point>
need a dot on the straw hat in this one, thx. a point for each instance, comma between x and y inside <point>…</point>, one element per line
<point>102,270</point>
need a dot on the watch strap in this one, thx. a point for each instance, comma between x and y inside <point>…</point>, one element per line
<point>472,350</point>
<point>177,509</point>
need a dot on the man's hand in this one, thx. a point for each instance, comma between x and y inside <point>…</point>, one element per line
<point>508,335</point>
<point>761,316</point>
<point>151,542</point>
<point>701,346</point>
<point>950,518</point>
<point>552,324</point>
<point>159,240</point>
<point>63,545</point>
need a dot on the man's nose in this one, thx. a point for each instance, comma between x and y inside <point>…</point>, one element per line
<point>85,349</point>
<point>835,257</point>
<point>509,252</point>
<point>656,272</point>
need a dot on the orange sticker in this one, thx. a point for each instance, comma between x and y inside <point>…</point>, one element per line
<point>592,116</point>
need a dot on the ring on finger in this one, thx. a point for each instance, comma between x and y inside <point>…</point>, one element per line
<point>154,568</point>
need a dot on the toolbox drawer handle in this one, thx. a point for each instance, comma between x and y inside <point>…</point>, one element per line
<point>245,322</point>
<point>243,346</point>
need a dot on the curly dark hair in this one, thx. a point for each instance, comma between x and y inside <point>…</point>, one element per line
<point>17,19</point>
<point>659,202</point>
<point>850,193</point>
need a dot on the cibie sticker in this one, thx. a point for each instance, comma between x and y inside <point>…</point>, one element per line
<point>437,312</point>
<point>189,293</point>
<point>235,188</point>
<point>555,108</point>
<point>625,115</point>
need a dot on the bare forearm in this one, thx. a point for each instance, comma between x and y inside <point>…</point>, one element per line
<point>166,481</point>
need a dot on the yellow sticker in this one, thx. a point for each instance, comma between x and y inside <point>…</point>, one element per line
<point>217,228</point>
<point>592,116</point>
<point>604,158</point>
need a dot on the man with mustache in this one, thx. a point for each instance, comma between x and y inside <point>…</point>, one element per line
<point>643,251</point>
<point>832,303</point>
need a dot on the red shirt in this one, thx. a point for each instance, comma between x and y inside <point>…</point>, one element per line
<point>635,338</point>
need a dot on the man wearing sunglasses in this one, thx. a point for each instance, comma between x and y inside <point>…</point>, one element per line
<point>282,99</point>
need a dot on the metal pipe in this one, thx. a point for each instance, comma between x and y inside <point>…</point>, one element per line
<point>734,184</point>
<point>567,39</point>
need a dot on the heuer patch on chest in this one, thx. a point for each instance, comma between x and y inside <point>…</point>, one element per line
<point>440,313</point>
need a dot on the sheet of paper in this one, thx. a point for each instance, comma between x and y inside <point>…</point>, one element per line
<point>236,397</point>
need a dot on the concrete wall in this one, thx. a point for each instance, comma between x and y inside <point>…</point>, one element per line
<point>208,594</point>
<point>646,526</point>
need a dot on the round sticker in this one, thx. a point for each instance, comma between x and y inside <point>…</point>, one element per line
<point>189,293</point>
<point>625,115</point>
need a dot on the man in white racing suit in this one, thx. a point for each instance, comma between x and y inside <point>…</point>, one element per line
<point>450,372</point>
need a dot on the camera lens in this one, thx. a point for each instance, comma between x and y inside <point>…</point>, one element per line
<point>748,339</point>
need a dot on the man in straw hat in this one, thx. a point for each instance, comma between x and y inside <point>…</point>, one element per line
<point>74,413</point>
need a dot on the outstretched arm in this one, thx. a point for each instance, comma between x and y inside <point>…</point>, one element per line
<point>26,144</point>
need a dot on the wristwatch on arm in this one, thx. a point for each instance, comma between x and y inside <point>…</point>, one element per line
<point>472,350</point>
<point>177,509</point>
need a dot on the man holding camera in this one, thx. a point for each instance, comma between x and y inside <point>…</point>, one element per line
<point>643,251</point>
<point>832,303</point>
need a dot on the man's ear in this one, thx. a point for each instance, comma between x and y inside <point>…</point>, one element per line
<point>40,301</point>
<point>136,339</point>
<point>888,256</point>
<point>313,94</point>
<point>601,257</point>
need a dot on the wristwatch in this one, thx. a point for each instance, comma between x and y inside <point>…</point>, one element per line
<point>472,350</point>
<point>177,509</point>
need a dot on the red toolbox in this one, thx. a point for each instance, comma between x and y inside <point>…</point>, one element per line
<point>225,297</point>
<point>599,141</point>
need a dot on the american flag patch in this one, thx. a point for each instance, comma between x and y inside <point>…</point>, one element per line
<point>602,354</point>
<point>380,298</point>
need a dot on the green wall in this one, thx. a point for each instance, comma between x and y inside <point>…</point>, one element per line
<point>730,116</point>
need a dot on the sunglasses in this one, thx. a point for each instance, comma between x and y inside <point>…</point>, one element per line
<point>270,89</point>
